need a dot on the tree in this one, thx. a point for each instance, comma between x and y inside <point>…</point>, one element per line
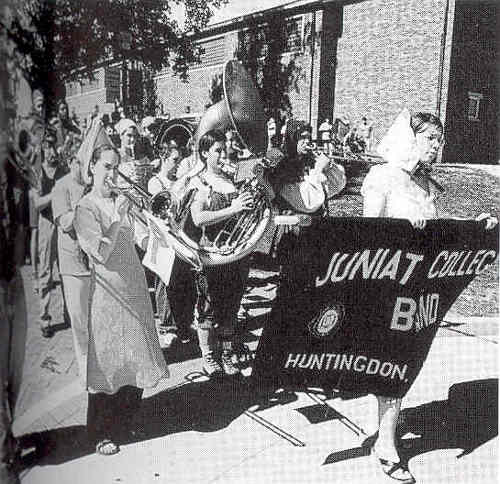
<point>56,41</point>
<point>261,49</point>
<point>216,91</point>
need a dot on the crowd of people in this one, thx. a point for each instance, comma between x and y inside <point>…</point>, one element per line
<point>83,222</point>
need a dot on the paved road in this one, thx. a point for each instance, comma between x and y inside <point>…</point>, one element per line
<point>198,433</point>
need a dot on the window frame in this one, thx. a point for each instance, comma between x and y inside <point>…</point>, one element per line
<point>474,105</point>
<point>261,27</point>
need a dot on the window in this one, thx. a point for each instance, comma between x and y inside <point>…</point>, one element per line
<point>293,34</point>
<point>72,88</point>
<point>112,81</point>
<point>213,51</point>
<point>256,40</point>
<point>90,84</point>
<point>474,107</point>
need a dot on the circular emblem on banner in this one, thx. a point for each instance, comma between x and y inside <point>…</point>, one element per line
<point>327,320</point>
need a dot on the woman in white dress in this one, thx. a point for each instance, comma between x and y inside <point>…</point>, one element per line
<point>124,355</point>
<point>402,188</point>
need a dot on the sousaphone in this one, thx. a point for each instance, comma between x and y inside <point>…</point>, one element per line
<point>242,111</point>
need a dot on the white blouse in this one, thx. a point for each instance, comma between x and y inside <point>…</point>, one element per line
<point>402,196</point>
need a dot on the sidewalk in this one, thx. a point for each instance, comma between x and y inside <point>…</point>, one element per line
<point>201,432</point>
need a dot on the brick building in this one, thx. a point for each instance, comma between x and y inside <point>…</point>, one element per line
<point>364,58</point>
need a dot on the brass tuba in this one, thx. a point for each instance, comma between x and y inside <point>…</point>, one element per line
<point>24,150</point>
<point>242,111</point>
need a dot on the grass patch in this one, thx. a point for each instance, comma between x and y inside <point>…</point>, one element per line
<point>469,191</point>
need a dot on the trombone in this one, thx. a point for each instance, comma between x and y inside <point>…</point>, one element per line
<point>160,205</point>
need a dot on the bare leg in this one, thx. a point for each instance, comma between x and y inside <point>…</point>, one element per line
<point>388,413</point>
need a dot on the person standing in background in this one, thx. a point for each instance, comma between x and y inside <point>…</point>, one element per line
<point>325,131</point>
<point>73,263</point>
<point>63,124</point>
<point>134,156</point>
<point>365,131</point>
<point>47,248</point>
<point>160,182</point>
<point>34,126</point>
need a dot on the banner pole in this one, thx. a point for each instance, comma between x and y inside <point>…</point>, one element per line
<point>273,428</point>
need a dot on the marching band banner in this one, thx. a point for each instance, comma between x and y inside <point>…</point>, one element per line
<point>361,299</point>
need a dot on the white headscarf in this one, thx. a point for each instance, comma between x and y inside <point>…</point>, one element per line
<point>96,137</point>
<point>398,146</point>
<point>124,124</point>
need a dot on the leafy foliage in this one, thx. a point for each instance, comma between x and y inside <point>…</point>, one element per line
<point>55,41</point>
<point>261,49</point>
<point>216,92</point>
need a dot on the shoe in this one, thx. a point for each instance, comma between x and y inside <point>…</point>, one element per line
<point>227,363</point>
<point>242,353</point>
<point>167,340</point>
<point>107,447</point>
<point>395,470</point>
<point>185,337</point>
<point>47,332</point>
<point>210,365</point>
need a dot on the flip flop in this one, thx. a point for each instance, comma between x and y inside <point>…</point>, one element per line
<point>107,447</point>
<point>397,471</point>
<point>47,332</point>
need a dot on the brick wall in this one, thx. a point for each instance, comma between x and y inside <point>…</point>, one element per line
<point>176,95</point>
<point>87,96</point>
<point>388,57</point>
<point>474,68</point>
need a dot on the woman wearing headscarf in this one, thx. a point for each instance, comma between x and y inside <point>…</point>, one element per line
<point>135,158</point>
<point>124,355</point>
<point>403,188</point>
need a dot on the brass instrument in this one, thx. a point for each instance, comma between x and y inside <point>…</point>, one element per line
<point>242,111</point>
<point>23,168</point>
<point>160,205</point>
<point>335,174</point>
<point>351,162</point>
<point>23,154</point>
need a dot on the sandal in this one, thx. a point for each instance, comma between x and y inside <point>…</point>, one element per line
<point>47,332</point>
<point>397,471</point>
<point>107,447</point>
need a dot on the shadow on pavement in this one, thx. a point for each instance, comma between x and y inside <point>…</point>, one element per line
<point>466,420</point>
<point>203,406</point>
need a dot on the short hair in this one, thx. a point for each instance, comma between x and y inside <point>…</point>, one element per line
<point>419,122</point>
<point>209,139</point>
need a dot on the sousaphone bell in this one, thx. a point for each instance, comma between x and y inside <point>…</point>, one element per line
<point>241,110</point>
